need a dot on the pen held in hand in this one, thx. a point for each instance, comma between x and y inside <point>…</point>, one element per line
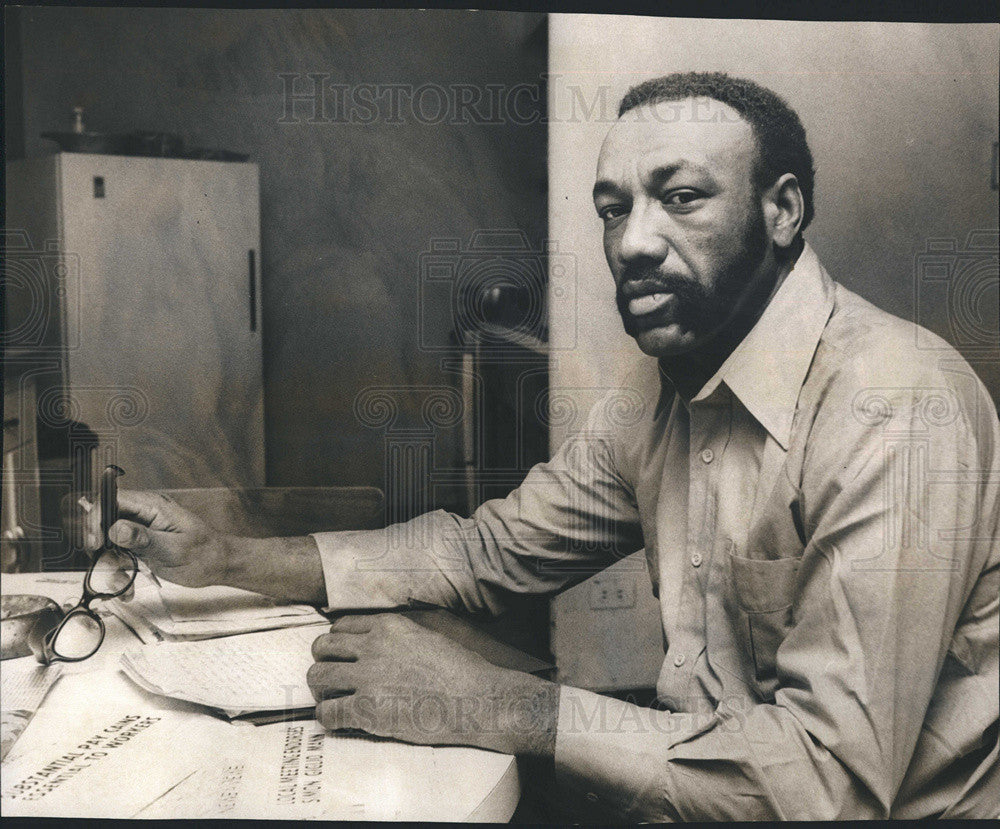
<point>144,568</point>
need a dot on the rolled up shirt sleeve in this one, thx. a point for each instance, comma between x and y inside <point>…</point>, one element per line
<point>895,593</point>
<point>570,517</point>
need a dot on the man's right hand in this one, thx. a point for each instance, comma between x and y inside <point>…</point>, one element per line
<point>179,547</point>
<point>175,544</point>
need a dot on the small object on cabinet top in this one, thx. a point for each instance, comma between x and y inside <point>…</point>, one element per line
<point>139,143</point>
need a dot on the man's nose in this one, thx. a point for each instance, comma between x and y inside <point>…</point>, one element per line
<point>642,236</point>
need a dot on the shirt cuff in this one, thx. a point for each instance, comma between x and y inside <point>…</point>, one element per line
<point>614,755</point>
<point>351,570</point>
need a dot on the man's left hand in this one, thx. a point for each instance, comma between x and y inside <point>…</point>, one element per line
<point>387,675</point>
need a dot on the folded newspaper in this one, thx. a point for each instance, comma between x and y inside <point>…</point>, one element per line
<point>117,760</point>
<point>169,612</point>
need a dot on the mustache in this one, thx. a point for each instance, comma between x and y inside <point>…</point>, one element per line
<point>642,279</point>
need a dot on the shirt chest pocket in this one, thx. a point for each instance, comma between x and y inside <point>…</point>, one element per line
<point>764,591</point>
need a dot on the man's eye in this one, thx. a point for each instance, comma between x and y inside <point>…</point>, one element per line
<point>679,197</point>
<point>611,211</point>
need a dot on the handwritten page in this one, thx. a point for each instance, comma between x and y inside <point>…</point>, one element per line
<point>263,671</point>
<point>23,685</point>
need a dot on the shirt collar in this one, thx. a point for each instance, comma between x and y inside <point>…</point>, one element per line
<point>767,369</point>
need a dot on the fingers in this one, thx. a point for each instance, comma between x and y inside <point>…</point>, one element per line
<point>330,679</point>
<point>335,714</point>
<point>129,535</point>
<point>353,624</point>
<point>335,646</point>
<point>145,507</point>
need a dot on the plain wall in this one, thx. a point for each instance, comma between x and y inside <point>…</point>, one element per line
<point>347,209</point>
<point>902,123</point>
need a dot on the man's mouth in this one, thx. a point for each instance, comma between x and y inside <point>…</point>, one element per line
<point>647,304</point>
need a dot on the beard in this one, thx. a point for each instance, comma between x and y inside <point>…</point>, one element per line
<point>698,308</point>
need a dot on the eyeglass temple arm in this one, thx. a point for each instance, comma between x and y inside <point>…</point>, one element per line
<point>109,499</point>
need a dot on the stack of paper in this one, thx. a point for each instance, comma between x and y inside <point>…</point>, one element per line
<point>238,675</point>
<point>169,612</point>
<point>297,771</point>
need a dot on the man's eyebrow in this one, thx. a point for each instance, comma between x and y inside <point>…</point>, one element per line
<point>657,176</point>
<point>603,187</point>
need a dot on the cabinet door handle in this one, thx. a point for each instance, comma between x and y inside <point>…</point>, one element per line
<point>252,263</point>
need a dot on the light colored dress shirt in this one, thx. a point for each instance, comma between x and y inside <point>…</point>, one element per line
<point>821,527</point>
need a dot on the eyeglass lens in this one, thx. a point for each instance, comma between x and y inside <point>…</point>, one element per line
<point>111,574</point>
<point>78,636</point>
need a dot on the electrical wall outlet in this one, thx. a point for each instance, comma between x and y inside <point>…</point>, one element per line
<point>606,631</point>
<point>609,592</point>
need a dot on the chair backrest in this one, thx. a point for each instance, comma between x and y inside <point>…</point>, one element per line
<point>283,511</point>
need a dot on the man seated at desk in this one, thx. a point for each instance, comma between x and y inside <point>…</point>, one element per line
<point>817,497</point>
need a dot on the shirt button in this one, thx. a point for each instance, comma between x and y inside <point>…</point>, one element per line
<point>696,559</point>
<point>678,660</point>
<point>707,455</point>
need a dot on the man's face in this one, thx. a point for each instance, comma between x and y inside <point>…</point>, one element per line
<point>684,229</point>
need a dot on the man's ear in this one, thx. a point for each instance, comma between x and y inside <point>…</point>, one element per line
<point>783,210</point>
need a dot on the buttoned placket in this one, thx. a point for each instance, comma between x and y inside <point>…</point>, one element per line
<point>708,423</point>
